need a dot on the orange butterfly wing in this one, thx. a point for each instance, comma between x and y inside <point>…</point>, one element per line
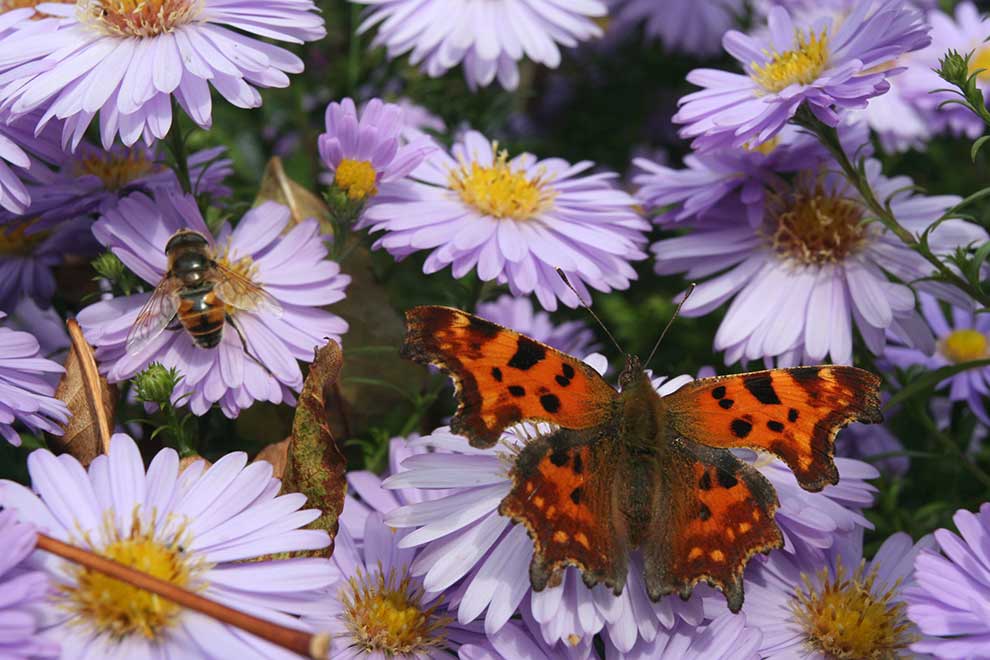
<point>503,377</point>
<point>710,514</point>
<point>563,488</point>
<point>792,413</point>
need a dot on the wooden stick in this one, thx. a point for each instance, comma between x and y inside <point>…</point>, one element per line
<point>312,646</point>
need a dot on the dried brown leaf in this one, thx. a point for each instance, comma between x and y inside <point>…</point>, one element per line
<point>277,454</point>
<point>90,399</point>
<point>276,186</point>
<point>315,466</point>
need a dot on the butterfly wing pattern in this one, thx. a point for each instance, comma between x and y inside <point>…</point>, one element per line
<point>794,414</point>
<point>637,470</point>
<point>503,377</point>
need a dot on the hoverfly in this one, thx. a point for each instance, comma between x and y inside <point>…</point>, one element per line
<point>195,292</point>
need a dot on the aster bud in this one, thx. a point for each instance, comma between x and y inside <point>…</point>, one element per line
<point>108,266</point>
<point>156,383</point>
<point>954,69</point>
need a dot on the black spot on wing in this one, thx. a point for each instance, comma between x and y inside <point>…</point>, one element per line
<point>517,390</point>
<point>485,328</point>
<point>792,415</point>
<point>576,495</point>
<point>562,381</point>
<point>804,375</point>
<point>761,387</point>
<point>705,513</point>
<point>726,480</point>
<point>578,466</point>
<point>740,428</point>
<point>550,403</point>
<point>497,374</point>
<point>559,458</point>
<point>567,370</point>
<point>726,403</point>
<point>528,354</point>
<point>706,481</point>
<point>775,426</point>
<point>719,392</point>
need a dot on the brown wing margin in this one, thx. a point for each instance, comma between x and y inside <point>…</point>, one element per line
<point>503,377</point>
<point>792,413</point>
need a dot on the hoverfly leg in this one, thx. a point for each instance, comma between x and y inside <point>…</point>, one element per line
<point>244,344</point>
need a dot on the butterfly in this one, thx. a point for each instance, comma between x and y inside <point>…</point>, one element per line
<point>631,469</point>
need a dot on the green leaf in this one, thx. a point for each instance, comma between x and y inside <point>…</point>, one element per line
<point>977,146</point>
<point>930,379</point>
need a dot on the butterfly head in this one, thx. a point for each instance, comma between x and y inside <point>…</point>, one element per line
<point>632,374</point>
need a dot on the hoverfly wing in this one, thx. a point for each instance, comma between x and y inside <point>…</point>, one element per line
<point>155,316</point>
<point>238,291</point>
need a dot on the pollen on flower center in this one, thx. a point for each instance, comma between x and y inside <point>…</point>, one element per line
<point>812,225</point>
<point>845,619</point>
<point>386,615</point>
<point>499,191</point>
<point>120,609</point>
<point>357,178</point>
<point>964,346</point>
<point>802,65</point>
<point>117,169</point>
<point>137,18</point>
<point>16,241</point>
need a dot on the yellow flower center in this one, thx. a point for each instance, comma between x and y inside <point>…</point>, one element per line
<point>844,618</point>
<point>964,346</point>
<point>120,609</point>
<point>981,60</point>
<point>357,178</point>
<point>501,192</point>
<point>385,614</point>
<point>137,18</point>
<point>801,66</point>
<point>117,168</point>
<point>16,241</point>
<point>765,148</point>
<point>813,225</point>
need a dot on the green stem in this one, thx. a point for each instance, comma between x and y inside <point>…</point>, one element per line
<point>829,137</point>
<point>354,51</point>
<point>177,145</point>
<point>958,454</point>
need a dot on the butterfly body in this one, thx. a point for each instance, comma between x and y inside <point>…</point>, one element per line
<point>635,472</point>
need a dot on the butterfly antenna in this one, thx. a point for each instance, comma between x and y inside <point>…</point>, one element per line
<point>587,308</point>
<point>673,318</point>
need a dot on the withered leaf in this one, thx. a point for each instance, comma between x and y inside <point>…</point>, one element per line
<point>315,466</point>
<point>90,400</point>
<point>278,187</point>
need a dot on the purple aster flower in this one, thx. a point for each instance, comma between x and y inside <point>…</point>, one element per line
<point>573,337</point>
<point>836,606</point>
<point>733,176</point>
<point>27,387</point>
<point>92,180</point>
<point>18,145</point>
<point>28,257</point>
<point>363,152</point>
<point>813,249</point>
<point>728,636</point>
<point>257,358</point>
<point>488,37</point>
<point>950,598</point>
<point>962,336</point>
<point>375,608</point>
<point>689,26</point>
<point>44,323</point>
<point>514,221</point>
<point>965,31</point>
<point>417,120</point>
<point>830,65</point>
<point>203,529</point>
<point>24,592</point>
<point>128,61</point>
